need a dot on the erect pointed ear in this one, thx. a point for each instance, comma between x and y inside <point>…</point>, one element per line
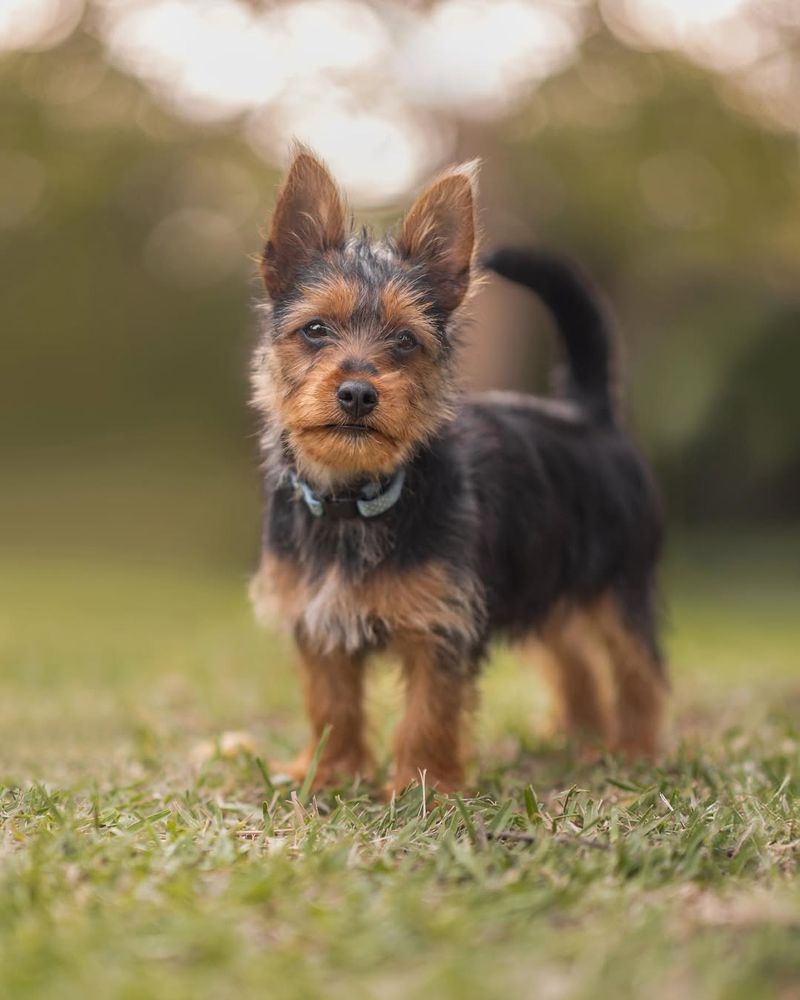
<point>439,232</point>
<point>309,218</point>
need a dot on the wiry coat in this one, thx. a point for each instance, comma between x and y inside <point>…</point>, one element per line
<point>517,517</point>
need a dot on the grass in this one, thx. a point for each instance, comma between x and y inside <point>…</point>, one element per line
<point>143,854</point>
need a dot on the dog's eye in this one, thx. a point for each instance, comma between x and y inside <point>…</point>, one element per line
<point>315,331</point>
<point>405,342</point>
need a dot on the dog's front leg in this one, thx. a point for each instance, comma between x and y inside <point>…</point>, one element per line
<point>334,696</point>
<point>431,739</point>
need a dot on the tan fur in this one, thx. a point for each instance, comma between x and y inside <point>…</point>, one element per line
<point>641,689</point>
<point>334,696</point>
<point>276,592</point>
<point>430,742</point>
<point>332,299</point>
<point>295,389</point>
<point>335,620</point>
<point>609,686</point>
<point>579,673</point>
<point>337,614</point>
<point>299,389</point>
<point>403,309</point>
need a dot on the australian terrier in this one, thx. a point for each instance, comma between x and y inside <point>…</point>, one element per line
<point>400,516</point>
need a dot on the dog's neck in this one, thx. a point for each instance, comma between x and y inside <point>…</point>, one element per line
<point>372,500</point>
<point>356,545</point>
<point>329,486</point>
<point>283,465</point>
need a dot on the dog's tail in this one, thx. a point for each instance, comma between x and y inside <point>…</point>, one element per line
<point>580,316</point>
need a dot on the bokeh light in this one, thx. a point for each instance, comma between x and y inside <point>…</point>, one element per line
<point>376,88</point>
<point>654,140</point>
<point>476,59</point>
<point>37,24</point>
<point>208,59</point>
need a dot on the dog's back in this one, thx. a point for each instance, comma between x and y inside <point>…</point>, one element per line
<point>571,518</point>
<point>565,494</point>
<point>567,508</point>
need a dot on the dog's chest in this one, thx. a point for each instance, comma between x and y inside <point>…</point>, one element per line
<point>339,614</point>
<point>333,612</point>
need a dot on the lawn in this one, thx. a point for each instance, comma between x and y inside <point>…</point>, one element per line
<point>145,853</point>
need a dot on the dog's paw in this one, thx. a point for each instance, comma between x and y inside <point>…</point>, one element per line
<point>328,774</point>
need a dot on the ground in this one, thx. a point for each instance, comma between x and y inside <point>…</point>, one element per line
<point>145,851</point>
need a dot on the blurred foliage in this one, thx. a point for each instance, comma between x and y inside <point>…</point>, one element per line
<point>127,238</point>
<point>689,214</point>
<point>118,316</point>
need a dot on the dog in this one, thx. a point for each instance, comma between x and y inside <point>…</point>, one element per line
<point>400,516</point>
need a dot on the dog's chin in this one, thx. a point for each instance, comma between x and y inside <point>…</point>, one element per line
<point>337,454</point>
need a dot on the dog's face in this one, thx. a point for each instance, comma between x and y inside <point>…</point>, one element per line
<point>357,368</point>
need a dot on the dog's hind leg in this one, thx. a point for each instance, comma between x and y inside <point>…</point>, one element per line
<point>579,674</point>
<point>639,676</point>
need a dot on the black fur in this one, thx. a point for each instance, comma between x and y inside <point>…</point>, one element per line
<point>538,501</point>
<point>581,317</point>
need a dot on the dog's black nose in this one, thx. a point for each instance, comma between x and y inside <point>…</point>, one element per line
<point>357,398</point>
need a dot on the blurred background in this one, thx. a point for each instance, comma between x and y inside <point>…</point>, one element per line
<point>657,141</point>
<point>141,142</point>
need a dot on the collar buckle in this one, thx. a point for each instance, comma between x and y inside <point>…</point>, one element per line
<point>339,510</point>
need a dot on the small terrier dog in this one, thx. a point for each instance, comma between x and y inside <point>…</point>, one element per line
<point>401,517</point>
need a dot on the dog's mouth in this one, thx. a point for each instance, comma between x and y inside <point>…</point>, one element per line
<point>352,430</point>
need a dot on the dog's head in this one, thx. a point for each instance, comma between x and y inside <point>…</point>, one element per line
<point>356,366</point>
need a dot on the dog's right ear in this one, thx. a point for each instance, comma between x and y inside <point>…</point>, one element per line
<point>309,218</point>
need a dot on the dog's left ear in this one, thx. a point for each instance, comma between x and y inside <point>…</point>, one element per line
<point>309,218</point>
<point>439,232</point>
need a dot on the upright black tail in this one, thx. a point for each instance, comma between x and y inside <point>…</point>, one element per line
<point>579,315</point>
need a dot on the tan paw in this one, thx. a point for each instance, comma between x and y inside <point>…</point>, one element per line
<point>289,771</point>
<point>328,773</point>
